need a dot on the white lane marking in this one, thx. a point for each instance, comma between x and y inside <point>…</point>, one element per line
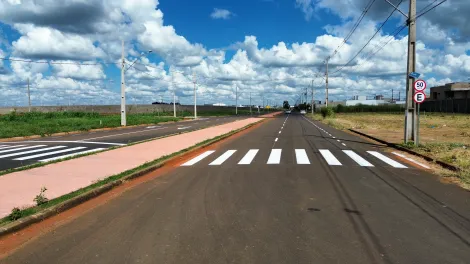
<point>338,140</point>
<point>249,156</point>
<point>31,151</point>
<point>387,160</point>
<point>198,158</point>
<point>150,127</point>
<point>412,160</point>
<point>276,139</point>
<point>16,149</point>
<point>16,146</point>
<point>343,144</point>
<point>301,156</point>
<point>73,154</point>
<point>334,137</point>
<point>329,157</point>
<point>358,159</point>
<point>78,141</point>
<point>275,156</point>
<point>223,157</point>
<point>180,128</point>
<point>128,133</point>
<point>279,132</point>
<point>49,153</point>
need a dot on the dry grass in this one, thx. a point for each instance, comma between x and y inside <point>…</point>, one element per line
<point>445,137</point>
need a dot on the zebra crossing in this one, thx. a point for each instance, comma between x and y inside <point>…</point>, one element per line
<point>301,158</point>
<point>42,153</point>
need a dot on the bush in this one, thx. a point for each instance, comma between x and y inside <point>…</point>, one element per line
<point>327,112</point>
<point>15,214</point>
<point>41,198</point>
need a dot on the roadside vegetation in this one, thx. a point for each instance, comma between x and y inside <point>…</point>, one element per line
<point>35,123</point>
<point>444,137</point>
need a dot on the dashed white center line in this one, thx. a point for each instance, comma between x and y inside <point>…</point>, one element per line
<point>279,132</point>
<point>276,139</point>
<point>338,140</point>
<point>343,144</point>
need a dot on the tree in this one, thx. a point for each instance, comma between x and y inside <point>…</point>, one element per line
<point>286,105</point>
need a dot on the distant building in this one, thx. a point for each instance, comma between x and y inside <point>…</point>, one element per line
<point>364,100</point>
<point>458,90</point>
<point>219,104</point>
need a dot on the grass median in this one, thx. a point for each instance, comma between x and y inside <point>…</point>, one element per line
<point>444,137</point>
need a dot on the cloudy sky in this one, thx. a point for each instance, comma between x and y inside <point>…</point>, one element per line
<point>70,49</point>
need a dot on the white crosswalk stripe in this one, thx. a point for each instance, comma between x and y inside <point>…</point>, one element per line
<point>15,146</point>
<point>358,159</point>
<point>387,160</point>
<point>73,154</point>
<point>275,156</point>
<point>330,158</point>
<point>49,153</point>
<point>30,151</point>
<point>249,156</point>
<point>198,158</point>
<point>16,149</point>
<point>301,156</point>
<point>223,158</point>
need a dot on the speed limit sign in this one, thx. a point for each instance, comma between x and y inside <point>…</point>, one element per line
<point>419,85</point>
<point>419,97</point>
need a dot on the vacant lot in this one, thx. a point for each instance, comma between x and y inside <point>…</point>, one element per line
<point>443,136</point>
<point>28,124</point>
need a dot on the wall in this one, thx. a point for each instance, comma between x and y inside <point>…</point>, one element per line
<point>116,109</point>
<point>447,106</point>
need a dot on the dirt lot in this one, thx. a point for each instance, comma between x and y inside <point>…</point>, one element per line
<point>443,136</point>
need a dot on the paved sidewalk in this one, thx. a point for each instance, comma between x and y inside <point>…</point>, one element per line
<point>19,189</point>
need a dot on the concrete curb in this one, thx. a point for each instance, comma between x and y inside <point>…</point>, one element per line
<point>395,146</point>
<point>74,201</point>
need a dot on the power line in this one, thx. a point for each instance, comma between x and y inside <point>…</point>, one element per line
<point>373,36</point>
<point>422,14</point>
<point>57,63</point>
<point>356,25</point>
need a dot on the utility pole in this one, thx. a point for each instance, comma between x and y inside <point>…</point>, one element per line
<point>312,96</point>
<point>250,105</point>
<point>392,95</point>
<point>195,108</point>
<point>123,89</point>
<point>174,94</point>
<point>326,92</point>
<point>236,99</point>
<point>29,98</point>
<point>410,114</point>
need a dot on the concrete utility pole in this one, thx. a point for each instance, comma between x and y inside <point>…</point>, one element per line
<point>250,105</point>
<point>236,99</point>
<point>174,94</point>
<point>29,98</point>
<point>312,96</point>
<point>123,89</point>
<point>195,102</point>
<point>326,92</point>
<point>410,114</point>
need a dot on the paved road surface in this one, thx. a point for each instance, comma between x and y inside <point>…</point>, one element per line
<point>290,191</point>
<point>21,153</point>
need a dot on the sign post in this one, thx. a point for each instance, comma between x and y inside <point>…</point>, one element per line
<point>419,97</point>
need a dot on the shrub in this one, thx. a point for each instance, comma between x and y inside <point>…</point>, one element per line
<point>41,198</point>
<point>327,112</point>
<point>15,214</point>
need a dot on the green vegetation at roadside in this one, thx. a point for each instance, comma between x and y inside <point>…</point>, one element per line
<point>18,213</point>
<point>35,123</point>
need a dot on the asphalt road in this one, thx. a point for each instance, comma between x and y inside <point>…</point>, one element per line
<point>286,192</point>
<point>26,152</point>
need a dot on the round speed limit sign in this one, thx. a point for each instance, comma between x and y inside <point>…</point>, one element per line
<point>419,85</point>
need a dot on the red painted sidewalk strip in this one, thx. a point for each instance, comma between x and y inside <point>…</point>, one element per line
<point>19,189</point>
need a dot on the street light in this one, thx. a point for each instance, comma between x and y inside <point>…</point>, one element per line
<point>123,84</point>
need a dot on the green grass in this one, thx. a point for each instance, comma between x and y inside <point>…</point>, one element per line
<point>35,123</point>
<point>33,210</point>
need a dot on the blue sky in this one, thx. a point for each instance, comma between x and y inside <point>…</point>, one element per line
<point>267,47</point>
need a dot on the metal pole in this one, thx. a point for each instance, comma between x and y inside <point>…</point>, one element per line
<point>195,108</point>
<point>410,114</point>
<point>174,95</point>
<point>312,97</point>
<point>326,93</point>
<point>29,97</point>
<point>417,127</point>
<point>123,89</point>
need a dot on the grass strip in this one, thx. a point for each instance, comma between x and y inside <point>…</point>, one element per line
<point>32,215</point>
